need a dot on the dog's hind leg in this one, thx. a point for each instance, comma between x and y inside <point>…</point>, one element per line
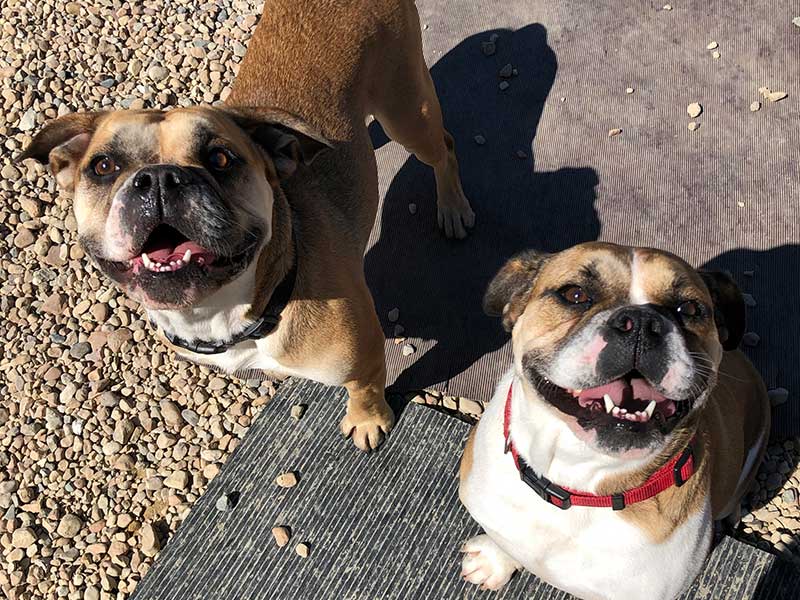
<point>404,101</point>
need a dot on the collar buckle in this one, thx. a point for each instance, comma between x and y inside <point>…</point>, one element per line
<point>547,490</point>
<point>686,456</point>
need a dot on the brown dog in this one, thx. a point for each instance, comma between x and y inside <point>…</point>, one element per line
<point>241,252</point>
<point>627,424</point>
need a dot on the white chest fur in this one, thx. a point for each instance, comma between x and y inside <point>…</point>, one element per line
<point>590,552</point>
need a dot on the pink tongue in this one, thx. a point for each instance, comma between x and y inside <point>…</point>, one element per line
<point>620,390</point>
<point>163,252</point>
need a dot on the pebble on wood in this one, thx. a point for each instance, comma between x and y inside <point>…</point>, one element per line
<point>282,535</point>
<point>286,480</point>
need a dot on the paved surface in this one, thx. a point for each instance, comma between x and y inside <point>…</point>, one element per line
<point>726,195</point>
<point>386,526</point>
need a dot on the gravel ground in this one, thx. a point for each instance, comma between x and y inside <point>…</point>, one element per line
<point>106,439</point>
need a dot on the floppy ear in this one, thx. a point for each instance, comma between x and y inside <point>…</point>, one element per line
<point>62,143</point>
<point>288,140</point>
<point>729,309</point>
<point>508,292</point>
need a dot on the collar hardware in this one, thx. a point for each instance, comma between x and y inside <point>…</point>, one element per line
<point>261,327</point>
<point>675,472</point>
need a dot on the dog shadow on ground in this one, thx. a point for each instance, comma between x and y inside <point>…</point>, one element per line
<point>438,284</point>
<point>770,277</point>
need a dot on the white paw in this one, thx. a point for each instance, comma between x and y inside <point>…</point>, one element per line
<point>485,564</point>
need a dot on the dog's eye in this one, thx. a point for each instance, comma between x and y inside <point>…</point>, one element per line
<point>690,308</point>
<point>104,165</point>
<point>575,295</point>
<point>219,159</point>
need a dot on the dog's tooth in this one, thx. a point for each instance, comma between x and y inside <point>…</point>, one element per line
<point>615,411</point>
<point>146,260</point>
<point>172,263</point>
<point>650,408</point>
<point>623,410</point>
<point>187,255</point>
<point>178,263</point>
<point>608,402</point>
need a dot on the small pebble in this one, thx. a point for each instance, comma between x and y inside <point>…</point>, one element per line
<point>667,7</point>
<point>393,315</point>
<point>522,154</point>
<point>408,350</point>
<point>629,90</point>
<point>712,46</point>
<point>614,132</point>
<point>480,140</point>
<point>286,480</point>
<point>749,300</point>
<point>507,71</point>
<point>504,85</point>
<point>754,106</point>
<point>778,396</point>
<point>715,54</point>
<point>776,96</point>
<point>412,208</point>
<point>297,411</point>
<point>281,535</point>
<point>302,550</point>
<point>224,503</point>
<point>693,125</point>
<point>694,109</point>
<point>488,48</point>
<point>751,339</point>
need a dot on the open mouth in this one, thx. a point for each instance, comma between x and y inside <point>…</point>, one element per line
<point>167,250</point>
<point>629,400</point>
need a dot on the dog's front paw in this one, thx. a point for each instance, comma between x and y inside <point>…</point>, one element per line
<point>485,564</point>
<point>367,431</point>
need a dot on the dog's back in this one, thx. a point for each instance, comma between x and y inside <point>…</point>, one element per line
<point>288,65</point>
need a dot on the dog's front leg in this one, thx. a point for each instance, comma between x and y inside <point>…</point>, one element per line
<point>368,417</point>
<point>486,564</point>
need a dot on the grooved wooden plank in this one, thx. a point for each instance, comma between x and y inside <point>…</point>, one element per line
<point>381,527</point>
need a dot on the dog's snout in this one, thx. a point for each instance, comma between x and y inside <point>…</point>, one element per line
<point>159,180</point>
<point>636,321</point>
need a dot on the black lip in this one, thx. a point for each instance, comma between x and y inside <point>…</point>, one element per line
<point>615,434</point>
<point>178,288</point>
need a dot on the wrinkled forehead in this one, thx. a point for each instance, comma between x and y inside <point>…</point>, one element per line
<point>177,136</point>
<point>641,274</point>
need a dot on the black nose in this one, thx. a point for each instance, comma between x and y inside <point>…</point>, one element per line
<point>640,323</point>
<point>161,181</point>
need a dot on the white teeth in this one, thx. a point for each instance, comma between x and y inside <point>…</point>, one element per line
<point>146,260</point>
<point>178,264</point>
<point>609,403</point>
<point>187,255</point>
<point>615,411</point>
<point>650,408</point>
<point>172,263</point>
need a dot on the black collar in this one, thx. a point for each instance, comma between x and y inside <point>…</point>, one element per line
<point>259,328</point>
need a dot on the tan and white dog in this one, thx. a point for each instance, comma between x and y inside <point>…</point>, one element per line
<point>244,254</point>
<point>627,425</point>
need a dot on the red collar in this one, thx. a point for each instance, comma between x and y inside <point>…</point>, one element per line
<point>676,472</point>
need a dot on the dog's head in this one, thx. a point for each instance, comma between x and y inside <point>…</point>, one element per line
<point>173,205</point>
<point>624,343</point>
